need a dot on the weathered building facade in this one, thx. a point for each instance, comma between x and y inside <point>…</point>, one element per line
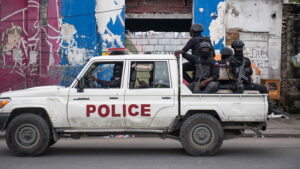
<point>290,71</point>
<point>47,42</point>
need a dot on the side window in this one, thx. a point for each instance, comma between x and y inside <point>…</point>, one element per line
<point>161,75</point>
<point>104,75</point>
<point>149,75</point>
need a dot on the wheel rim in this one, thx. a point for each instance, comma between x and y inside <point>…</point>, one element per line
<point>201,134</point>
<point>27,135</point>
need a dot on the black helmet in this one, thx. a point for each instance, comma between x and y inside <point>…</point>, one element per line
<point>197,28</point>
<point>226,51</point>
<point>237,44</point>
<point>117,70</point>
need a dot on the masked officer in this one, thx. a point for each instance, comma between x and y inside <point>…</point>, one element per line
<point>207,70</point>
<point>226,54</point>
<point>193,44</point>
<point>115,81</point>
<point>224,80</point>
<point>241,75</point>
<point>241,70</point>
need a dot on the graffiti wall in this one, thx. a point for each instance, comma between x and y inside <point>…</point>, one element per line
<point>29,49</point>
<point>211,13</point>
<point>47,42</point>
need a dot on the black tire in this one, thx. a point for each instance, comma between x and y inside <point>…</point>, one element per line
<point>201,134</point>
<point>28,135</point>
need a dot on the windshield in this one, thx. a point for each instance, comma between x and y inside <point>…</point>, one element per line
<point>69,74</point>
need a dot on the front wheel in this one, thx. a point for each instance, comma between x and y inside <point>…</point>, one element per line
<point>28,135</point>
<point>201,134</point>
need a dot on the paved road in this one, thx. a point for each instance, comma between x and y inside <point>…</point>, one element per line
<point>154,153</point>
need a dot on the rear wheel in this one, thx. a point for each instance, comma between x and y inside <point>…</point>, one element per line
<point>201,134</point>
<point>28,135</point>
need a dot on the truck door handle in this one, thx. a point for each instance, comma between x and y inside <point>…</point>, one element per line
<point>113,98</point>
<point>165,97</point>
<point>81,99</point>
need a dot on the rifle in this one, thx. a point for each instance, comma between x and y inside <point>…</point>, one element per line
<point>196,88</point>
<point>240,86</point>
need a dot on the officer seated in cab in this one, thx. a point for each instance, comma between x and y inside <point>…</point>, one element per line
<point>115,81</point>
<point>207,70</point>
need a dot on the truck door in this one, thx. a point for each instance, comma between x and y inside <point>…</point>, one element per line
<point>99,105</point>
<point>149,95</point>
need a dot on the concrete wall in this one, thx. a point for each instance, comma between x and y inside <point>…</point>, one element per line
<point>258,23</point>
<point>156,42</point>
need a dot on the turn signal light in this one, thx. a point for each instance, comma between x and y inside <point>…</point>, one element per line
<point>4,102</point>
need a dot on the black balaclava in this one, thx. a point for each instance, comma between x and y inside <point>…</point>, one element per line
<point>117,71</point>
<point>238,52</point>
<point>205,53</point>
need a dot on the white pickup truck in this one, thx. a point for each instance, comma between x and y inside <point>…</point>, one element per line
<point>148,98</point>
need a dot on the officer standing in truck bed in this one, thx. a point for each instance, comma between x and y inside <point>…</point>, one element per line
<point>193,44</point>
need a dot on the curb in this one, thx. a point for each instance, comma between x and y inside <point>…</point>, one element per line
<point>277,135</point>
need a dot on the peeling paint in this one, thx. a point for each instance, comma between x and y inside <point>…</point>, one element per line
<point>217,26</point>
<point>13,37</point>
<point>212,19</point>
<point>232,9</point>
<point>67,33</point>
<point>110,17</point>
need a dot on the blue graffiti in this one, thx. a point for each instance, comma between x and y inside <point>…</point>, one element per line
<point>205,17</point>
<point>117,29</point>
<point>80,16</point>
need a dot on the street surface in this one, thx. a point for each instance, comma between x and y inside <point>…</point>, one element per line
<point>155,153</point>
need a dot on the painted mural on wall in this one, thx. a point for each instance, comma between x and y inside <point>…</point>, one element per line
<point>211,14</point>
<point>29,49</point>
<point>47,42</point>
<point>88,28</point>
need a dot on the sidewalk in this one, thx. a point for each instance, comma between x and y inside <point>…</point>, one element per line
<point>281,128</point>
<point>276,128</point>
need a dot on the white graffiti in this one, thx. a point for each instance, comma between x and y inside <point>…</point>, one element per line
<point>111,12</point>
<point>25,52</point>
<point>259,56</point>
<point>75,55</point>
<point>217,27</point>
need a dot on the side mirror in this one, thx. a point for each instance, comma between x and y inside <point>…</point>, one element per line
<point>80,85</point>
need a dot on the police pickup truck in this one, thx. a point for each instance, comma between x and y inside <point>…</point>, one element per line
<point>146,96</point>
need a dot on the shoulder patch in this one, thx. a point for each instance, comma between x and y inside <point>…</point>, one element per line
<point>216,63</point>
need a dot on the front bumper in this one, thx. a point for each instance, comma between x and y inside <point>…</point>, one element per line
<point>3,120</point>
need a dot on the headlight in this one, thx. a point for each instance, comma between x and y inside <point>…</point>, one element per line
<point>3,102</point>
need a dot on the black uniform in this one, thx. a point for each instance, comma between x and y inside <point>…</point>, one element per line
<point>239,61</point>
<point>193,44</point>
<point>246,80</point>
<point>205,68</point>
